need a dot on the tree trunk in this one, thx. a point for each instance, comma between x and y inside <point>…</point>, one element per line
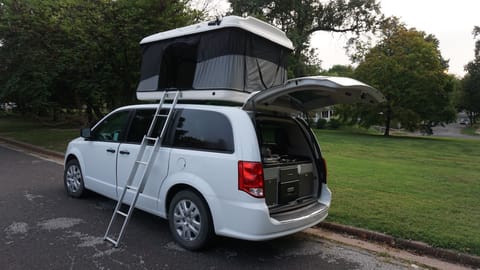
<point>388,120</point>
<point>299,70</point>
<point>55,114</point>
<point>89,112</point>
<point>471,118</point>
<point>98,112</point>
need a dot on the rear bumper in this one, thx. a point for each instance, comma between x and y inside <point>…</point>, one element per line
<point>252,221</point>
<point>311,210</point>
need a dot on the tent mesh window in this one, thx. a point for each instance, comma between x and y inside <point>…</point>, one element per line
<point>177,69</point>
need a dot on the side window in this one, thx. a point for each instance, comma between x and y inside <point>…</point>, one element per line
<point>113,128</point>
<point>141,123</point>
<point>203,130</point>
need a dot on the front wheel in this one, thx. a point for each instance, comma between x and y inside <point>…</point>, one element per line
<point>73,179</point>
<point>190,221</point>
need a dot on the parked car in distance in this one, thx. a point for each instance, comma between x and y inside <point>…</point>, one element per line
<point>463,121</point>
<point>253,171</point>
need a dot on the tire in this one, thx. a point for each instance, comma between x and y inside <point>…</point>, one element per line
<point>190,221</point>
<point>73,179</point>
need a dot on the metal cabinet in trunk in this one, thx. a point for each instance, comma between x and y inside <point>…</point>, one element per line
<point>288,182</point>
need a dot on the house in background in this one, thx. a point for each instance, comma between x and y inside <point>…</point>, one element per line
<point>8,106</point>
<point>326,113</point>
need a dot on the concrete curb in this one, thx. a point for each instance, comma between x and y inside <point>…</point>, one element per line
<point>33,148</point>
<point>415,246</point>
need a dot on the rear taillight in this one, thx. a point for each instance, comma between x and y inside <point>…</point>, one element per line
<point>250,178</point>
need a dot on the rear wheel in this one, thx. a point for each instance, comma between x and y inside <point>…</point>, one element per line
<point>73,179</point>
<point>189,220</point>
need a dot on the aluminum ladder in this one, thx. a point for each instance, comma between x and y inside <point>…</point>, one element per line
<point>141,161</point>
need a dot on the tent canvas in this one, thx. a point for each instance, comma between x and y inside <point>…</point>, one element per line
<point>222,60</point>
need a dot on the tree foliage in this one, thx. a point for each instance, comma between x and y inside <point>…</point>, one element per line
<point>407,67</point>
<point>301,18</point>
<point>470,97</point>
<point>68,53</point>
<point>340,71</point>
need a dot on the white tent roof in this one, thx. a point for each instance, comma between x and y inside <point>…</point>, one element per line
<point>249,24</point>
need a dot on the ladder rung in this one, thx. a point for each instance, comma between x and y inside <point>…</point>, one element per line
<point>122,213</point>
<point>162,115</point>
<point>111,240</point>
<point>132,188</point>
<point>151,138</point>
<point>142,162</point>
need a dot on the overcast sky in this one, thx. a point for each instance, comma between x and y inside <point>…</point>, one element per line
<point>451,22</point>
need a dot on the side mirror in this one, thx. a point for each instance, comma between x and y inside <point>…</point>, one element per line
<point>86,133</point>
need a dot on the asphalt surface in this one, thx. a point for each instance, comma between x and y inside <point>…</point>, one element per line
<point>42,228</point>
<point>453,130</point>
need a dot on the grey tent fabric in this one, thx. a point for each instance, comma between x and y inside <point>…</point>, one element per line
<point>227,58</point>
<point>220,72</point>
<point>257,73</point>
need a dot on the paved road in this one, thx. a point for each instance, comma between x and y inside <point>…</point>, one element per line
<point>453,130</point>
<point>42,228</point>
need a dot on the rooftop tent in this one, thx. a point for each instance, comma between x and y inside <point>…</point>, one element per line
<point>221,60</point>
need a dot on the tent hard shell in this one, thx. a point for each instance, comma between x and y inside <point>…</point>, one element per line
<point>220,60</point>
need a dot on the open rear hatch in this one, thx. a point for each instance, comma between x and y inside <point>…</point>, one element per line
<point>293,167</point>
<point>311,93</point>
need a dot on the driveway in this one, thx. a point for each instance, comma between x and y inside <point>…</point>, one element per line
<point>42,228</point>
<point>452,130</point>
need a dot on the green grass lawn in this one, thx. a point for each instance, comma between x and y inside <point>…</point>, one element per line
<point>35,133</point>
<point>425,189</point>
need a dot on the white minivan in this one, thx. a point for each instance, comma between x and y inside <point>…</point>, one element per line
<point>251,171</point>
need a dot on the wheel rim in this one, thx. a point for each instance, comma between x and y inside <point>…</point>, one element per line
<point>187,220</point>
<point>74,178</point>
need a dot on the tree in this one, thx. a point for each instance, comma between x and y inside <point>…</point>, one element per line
<point>340,71</point>
<point>470,97</point>
<point>301,18</point>
<point>24,44</point>
<point>58,54</point>
<point>407,67</point>
<point>110,70</point>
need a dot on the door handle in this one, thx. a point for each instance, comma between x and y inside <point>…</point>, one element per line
<point>110,150</point>
<point>124,152</point>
